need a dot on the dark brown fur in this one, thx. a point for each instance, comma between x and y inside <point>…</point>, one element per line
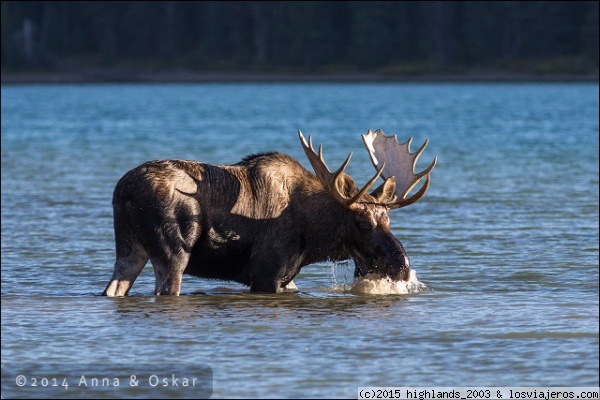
<point>256,222</point>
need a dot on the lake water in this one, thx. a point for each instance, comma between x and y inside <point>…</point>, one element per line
<point>505,243</point>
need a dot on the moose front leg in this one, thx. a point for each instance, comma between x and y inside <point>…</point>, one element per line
<point>264,286</point>
<point>259,285</point>
<point>270,276</point>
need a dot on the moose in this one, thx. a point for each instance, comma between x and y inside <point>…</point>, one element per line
<point>258,222</point>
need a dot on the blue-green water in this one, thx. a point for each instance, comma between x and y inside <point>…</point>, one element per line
<point>506,239</point>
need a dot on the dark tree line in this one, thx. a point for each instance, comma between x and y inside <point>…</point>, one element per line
<point>299,36</point>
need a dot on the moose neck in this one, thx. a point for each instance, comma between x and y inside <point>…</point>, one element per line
<point>325,220</point>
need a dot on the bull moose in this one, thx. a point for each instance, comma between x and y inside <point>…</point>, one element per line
<point>259,221</point>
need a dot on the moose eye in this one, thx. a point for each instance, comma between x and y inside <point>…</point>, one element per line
<point>365,225</point>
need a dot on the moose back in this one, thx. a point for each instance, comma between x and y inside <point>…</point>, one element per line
<point>258,222</point>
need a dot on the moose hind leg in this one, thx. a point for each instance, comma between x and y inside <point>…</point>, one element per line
<point>127,269</point>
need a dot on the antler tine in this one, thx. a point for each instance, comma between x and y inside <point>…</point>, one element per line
<point>316,160</point>
<point>320,167</point>
<point>368,185</point>
<point>412,199</point>
<point>341,169</point>
<point>333,181</point>
<point>417,155</point>
<point>426,171</point>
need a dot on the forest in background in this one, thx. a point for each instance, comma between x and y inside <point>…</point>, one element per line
<point>398,37</point>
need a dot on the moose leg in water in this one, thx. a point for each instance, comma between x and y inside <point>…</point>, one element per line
<point>131,257</point>
<point>273,270</point>
<point>169,272</point>
<point>127,269</point>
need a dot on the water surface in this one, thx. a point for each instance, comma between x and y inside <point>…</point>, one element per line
<point>505,241</point>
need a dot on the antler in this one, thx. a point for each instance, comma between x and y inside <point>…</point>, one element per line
<point>334,182</point>
<point>398,161</point>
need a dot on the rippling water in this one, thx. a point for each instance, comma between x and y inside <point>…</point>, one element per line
<point>504,244</point>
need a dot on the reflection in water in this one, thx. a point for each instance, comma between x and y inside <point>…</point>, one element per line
<point>246,305</point>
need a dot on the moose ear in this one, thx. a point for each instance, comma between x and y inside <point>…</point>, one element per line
<point>386,191</point>
<point>345,185</point>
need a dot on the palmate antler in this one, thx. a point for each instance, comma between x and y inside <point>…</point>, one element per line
<point>337,183</point>
<point>395,159</point>
<point>392,160</point>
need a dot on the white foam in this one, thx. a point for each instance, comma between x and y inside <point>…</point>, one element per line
<point>372,284</point>
<point>377,285</point>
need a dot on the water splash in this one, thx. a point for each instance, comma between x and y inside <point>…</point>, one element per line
<point>342,273</point>
<point>378,285</point>
<point>343,281</point>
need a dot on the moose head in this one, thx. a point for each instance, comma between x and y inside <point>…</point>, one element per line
<point>367,236</point>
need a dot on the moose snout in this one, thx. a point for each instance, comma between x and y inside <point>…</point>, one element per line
<point>388,259</point>
<point>399,270</point>
<point>398,263</point>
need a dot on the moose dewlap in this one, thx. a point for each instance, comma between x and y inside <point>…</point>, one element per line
<point>258,222</point>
